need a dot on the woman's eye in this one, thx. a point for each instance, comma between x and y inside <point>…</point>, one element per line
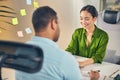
<point>81,19</point>
<point>87,19</point>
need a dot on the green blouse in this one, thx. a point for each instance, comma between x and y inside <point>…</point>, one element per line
<point>96,49</point>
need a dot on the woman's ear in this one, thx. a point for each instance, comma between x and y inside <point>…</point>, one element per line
<point>95,18</point>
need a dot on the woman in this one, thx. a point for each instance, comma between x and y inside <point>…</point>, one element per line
<point>88,41</point>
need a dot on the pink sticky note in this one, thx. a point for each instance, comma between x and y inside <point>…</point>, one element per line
<point>20,34</point>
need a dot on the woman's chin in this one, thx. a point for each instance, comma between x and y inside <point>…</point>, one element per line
<point>85,27</point>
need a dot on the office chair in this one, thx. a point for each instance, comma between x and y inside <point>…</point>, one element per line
<point>110,16</point>
<point>112,57</point>
<point>20,56</point>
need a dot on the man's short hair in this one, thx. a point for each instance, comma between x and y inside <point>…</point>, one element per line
<point>42,16</point>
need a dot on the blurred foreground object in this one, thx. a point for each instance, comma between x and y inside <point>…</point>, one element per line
<point>20,56</point>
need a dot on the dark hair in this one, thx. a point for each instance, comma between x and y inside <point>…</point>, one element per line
<point>42,16</point>
<point>91,9</point>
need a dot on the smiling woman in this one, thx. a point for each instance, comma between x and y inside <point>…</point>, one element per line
<point>88,41</point>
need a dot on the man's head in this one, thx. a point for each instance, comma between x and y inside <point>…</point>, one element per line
<point>45,23</point>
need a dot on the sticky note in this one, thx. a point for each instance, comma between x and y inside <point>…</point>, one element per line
<point>23,12</point>
<point>29,2</point>
<point>20,34</point>
<point>35,4</point>
<point>28,30</point>
<point>14,21</point>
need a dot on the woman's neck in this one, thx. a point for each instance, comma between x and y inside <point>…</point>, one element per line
<point>90,30</point>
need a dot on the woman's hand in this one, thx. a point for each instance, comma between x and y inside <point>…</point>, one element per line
<point>86,62</point>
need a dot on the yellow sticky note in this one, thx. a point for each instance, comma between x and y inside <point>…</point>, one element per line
<point>14,21</point>
<point>23,12</point>
<point>35,4</point>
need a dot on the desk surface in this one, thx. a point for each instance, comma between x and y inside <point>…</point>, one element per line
<point>106,69</point>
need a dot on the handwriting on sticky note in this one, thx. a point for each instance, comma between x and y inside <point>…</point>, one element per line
<point>14,21</point>
<point>23,12</point>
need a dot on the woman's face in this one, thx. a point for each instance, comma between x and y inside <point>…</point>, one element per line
<point>87,20</point>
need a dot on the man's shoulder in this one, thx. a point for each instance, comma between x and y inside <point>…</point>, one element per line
<point>67,54</point>
<point>68,58</point>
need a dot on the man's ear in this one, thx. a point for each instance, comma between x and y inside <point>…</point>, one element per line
<point>53,24</point>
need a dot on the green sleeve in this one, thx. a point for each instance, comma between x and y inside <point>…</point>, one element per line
<point>101,50</point>
<point>73,45</point>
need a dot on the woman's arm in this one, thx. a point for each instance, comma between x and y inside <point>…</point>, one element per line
<point>73,45</point>
<point>86,62</point>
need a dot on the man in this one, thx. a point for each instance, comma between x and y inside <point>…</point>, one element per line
<point>58,64</point>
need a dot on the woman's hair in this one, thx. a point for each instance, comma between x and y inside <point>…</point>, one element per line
<point>42,16</point>
<point>91,9</point>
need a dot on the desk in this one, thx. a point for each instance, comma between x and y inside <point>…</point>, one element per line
<point>106,69</point>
